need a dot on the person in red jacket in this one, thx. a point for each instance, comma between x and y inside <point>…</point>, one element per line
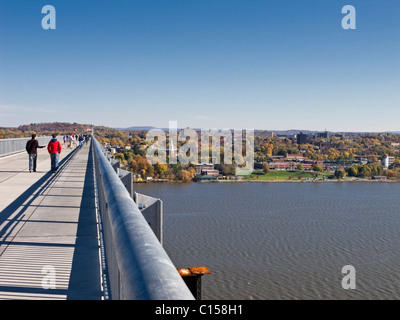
<point>54,148</point>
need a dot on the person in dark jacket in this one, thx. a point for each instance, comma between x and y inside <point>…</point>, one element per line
<point>80,141</point>
<point>54,148</point>
<point>31,147</point>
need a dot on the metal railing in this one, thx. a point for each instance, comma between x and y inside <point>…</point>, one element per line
<point>137,265</point>
<point>11,146</point>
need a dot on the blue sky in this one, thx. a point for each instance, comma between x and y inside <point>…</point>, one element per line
<point>281,64</point>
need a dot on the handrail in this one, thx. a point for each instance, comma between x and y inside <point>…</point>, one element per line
<point>17,145</point>
<point>138,266</point>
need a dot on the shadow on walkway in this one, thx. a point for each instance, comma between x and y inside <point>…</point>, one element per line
<point>84,282</point>
<point>31,193</point>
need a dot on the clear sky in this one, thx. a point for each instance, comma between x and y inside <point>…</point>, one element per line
<point>260,64</point>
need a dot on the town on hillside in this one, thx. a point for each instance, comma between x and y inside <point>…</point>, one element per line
<point>278,156</point>
<point>319,156</point>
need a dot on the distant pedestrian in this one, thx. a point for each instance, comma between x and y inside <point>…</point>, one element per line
<point>73,141</point>
<point>31,147</point>
<point>69,140</point>
<point>64,139</point>
<point>80,141</point>
<point>54,148</point>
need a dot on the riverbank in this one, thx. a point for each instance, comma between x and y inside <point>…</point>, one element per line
<point>278,176</point>
<point>302,181</point>
<point>356,180</point>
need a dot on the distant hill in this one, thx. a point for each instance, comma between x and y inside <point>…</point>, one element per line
<point>56,127</point>
<point>287,132</point>
<point>137,128</point>
<point>45,129</point>
<point>292,131</point>
<point>62,128</point>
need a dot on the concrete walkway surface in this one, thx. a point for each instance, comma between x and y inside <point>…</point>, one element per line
<point>48,228</point>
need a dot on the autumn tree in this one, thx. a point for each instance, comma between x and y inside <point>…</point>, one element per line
<point>317,167</point>
<point>353,171</point>
<point>185,175</point>
<point>161,169</point>
<point>340,174</point>
<point>390,173</point>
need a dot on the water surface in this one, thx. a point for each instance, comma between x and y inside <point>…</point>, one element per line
<point>284,240</point>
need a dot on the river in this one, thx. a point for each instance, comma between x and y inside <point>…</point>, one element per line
<point>284,240</point>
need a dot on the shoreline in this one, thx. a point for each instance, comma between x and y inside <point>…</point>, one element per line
<point>278,181</point>
<point>296,181</point>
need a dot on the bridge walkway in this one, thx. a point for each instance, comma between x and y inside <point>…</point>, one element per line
<point>49,245</point>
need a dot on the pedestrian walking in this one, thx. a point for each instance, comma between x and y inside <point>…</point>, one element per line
<point>54,148</point>
<point>31,147</point>
<point>80,141</point>
<point>73,141</point>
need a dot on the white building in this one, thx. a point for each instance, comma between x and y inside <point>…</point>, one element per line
<point>388,161</point>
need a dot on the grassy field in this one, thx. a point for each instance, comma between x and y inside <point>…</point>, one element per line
<point>280,175</point>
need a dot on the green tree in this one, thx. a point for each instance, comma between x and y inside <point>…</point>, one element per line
<point>266,168</point>
<point>340,174</point>
<point>317,167</point>
<point>364,171</point>
<point>353,171</point>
